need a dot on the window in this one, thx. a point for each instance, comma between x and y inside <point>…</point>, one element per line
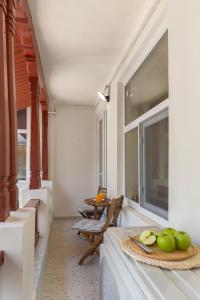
<point>102,151</point>
<point>149,85</point>
<point>22,144</point>
<point>131,165</point>
<point>154,150</point>
<point>22,119</point>
<point>146,132</point>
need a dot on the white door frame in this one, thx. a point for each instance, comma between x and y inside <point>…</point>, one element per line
<point>103,118</point>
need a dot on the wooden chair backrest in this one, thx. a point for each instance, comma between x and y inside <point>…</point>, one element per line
<point>102,189</point>
<point>114,211</point>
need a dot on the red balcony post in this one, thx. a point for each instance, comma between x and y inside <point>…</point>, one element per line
<point>4,120</point>
<point>10,31</point>
<point>35,180</point>
<point>43,102</point>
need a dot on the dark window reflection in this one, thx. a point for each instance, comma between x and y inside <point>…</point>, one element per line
<point>149,85</point>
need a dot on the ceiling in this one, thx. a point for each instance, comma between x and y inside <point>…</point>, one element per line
<point>80,42</point>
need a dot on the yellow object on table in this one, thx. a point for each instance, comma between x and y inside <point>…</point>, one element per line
<point>100,197</point>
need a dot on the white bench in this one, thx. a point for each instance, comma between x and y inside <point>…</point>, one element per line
<point>123,278</point>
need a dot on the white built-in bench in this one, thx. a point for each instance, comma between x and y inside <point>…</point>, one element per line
<point>123,278</point>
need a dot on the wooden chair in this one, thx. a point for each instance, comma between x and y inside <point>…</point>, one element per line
<point>102,189</point>
<point>88,213</point>
<point>93,230</point>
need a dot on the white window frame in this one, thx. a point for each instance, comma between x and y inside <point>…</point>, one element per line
<point>103,118</point>
<point>143,48</point>
<point>160,108</point>
<point>150,121</point>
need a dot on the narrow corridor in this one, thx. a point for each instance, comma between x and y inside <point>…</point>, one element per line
<point>64,278</point>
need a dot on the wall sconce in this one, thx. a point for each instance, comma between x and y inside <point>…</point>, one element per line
<point>105,96</point>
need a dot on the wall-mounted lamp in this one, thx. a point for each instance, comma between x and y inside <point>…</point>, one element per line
<point>105,96</point>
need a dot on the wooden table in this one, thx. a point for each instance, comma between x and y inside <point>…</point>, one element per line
<point>104,204</point>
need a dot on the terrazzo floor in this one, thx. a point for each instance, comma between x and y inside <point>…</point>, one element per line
<point>64,279</point>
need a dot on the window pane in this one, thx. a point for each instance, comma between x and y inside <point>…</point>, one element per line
<point>149,85</point>
<point>156,167</point>
<point>100,180</point>
<point>22,140</point>
<point>21,119</point>
<point>131,165</point>
<point>100,147</point>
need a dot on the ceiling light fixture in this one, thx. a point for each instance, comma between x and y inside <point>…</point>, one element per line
<point>105,96</point>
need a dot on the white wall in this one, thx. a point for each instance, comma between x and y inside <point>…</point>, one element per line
<point>184,75</point>
<point>17,236</point>
<point>183,22</point>
<point>73,158</point>
<point>131,59</point>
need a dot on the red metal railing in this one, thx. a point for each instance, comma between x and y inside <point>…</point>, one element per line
<point>34,203</point>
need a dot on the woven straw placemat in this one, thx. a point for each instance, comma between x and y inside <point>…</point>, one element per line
<point>190,263</point>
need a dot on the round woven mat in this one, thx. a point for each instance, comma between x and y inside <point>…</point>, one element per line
<point>190,263</point>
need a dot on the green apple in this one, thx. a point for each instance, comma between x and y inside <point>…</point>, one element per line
<point>166,242</point>
<point>145,234</point>
<point>147,237</point>
<point>183,240</point>
<point>169,230</point>
<point>156,233</point>
<point>150,240</point>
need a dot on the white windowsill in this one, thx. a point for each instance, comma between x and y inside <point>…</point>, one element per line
<point>144,212</point>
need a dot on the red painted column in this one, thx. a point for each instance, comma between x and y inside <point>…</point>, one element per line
<point>35,180</point>
<point>12,187</point>
<point>43,102</point>
<point>4,121</point>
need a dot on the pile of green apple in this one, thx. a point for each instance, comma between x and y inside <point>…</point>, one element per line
<point>167,240</point>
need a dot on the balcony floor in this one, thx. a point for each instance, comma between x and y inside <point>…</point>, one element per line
<point>64,278</point>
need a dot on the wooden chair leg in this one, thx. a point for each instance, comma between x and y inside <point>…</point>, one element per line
<point>97,252</point>
<point>89,252</point>
<point>91,239</point>
<point>82,214</point>
<point>94,244</point>
<point>97,242</point>
<point>86,236</point>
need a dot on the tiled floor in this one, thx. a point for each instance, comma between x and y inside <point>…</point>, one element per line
<point>64,278</point>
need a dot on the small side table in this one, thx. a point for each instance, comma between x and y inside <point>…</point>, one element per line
<point>104,204</point>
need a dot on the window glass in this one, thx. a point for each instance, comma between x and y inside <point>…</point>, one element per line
<point>22,141</point>
<point>131,165</point>
<point>100,147</point>
<point>155,167</point>
<point>100,153</point>
<point>149,85</point>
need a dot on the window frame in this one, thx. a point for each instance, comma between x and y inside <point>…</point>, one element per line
<point>159,109</point>
<point>138,155</point>
<point>162,115</point>
<point>141,48</point>
<point>102,118</point>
